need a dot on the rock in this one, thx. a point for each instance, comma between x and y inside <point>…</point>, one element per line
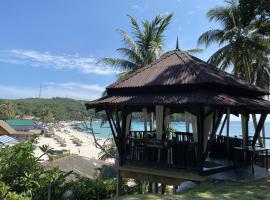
<point>186,185</point>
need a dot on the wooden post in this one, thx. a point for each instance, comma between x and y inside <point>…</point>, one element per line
<point>174,189</point>
<point>163,188</point>
<point>150,186</point>
<point>228,114</point>
<point>123,135</point>
<point>139,186</point>
<point>245,119</point>
<point>200,128</point>
<point>187,121</point>
<point>159,120</point>
<point>144,110</point>
<point>156,187</point>
<point>119,184</point>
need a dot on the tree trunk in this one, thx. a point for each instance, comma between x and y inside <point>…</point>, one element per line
<point>248,79</point>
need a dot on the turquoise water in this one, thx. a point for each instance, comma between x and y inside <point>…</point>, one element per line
<point>235,128</point>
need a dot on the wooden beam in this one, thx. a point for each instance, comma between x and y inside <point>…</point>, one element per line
<point>112,128</point>
<point>258,128</point>
<point>117,120</point>
<point>114,123</point>
<point>223,124</point>
<point>213,133</point>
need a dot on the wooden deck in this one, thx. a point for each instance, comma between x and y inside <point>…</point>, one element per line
<point>171,176</point>
<point>242,174</point>
<point>176,176</point>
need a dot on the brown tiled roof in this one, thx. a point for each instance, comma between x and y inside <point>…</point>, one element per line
<point>177,68</point>
<point>191,98</point>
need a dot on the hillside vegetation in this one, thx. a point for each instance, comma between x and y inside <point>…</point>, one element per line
<point>61,108</point>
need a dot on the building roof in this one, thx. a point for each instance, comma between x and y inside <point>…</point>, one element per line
<point>178,78</point>
<point>204,98</point>
<point>177,69</point>
<point>7,140</point>
<point>9,130</point>
<point>20,122</point>
<point>78,164</point>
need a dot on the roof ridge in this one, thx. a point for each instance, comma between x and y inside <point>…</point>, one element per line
<point>186,54</point>
<point>166,55</point>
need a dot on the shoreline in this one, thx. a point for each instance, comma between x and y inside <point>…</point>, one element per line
<point>66,133</point>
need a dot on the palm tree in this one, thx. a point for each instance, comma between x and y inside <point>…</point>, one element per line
<point>47,116</point>
<point>144,48</point>
<point>241,46</point>
<point>7,110</point>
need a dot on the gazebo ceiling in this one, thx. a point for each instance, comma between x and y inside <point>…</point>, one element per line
<point>187,99</point>
<point>179,70</point>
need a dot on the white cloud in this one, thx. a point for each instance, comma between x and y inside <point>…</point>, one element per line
<point>191,12</point>
<point>136,6</point>
<point>86,65</point>
<point>69,90</point>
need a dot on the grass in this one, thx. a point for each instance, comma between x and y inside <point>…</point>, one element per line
<point>223,190</point>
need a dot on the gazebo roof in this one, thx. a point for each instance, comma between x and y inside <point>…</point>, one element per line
<point>179,70</point>
<point>188,99</point>
<point>179,79</point>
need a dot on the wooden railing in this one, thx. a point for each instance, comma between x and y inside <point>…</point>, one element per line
<point>223,147</point>
<point>177,151</point>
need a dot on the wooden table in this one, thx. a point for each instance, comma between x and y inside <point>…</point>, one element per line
<point>253,151</point>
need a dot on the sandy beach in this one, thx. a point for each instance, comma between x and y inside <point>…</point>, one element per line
<point>87,149</point>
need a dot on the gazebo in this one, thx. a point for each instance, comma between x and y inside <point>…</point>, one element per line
<point>206,96</point>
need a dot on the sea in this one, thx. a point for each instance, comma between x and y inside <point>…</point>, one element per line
<point>235,128</point>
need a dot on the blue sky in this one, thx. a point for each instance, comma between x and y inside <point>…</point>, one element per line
<point>57,43</point>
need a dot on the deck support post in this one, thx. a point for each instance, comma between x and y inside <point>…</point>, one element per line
<point>155,187</point>
<point>174,189</point>
<point>119,184</point>
<point>163,187</point>
<point>150,185</point>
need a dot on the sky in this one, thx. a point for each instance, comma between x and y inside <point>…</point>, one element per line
<point>56,44</point>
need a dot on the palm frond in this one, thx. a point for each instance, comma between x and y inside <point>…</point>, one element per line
<point>118,63</point>
<point>210,37</point>
<point>221,55</point>
<point>133,56</point>
<point>127,39</point>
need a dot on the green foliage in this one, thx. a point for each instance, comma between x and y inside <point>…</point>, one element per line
<point>6,194</point>
<point>46,116</point>
<point>242,46</point>
<point>144,46</point>
<point>7,110</point>
<point>22,173</point>
<point>57,108</point>
<point>257,12</point>
<point>23,177</point>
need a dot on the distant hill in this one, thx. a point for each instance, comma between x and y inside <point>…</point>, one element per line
<point>61,108</point>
